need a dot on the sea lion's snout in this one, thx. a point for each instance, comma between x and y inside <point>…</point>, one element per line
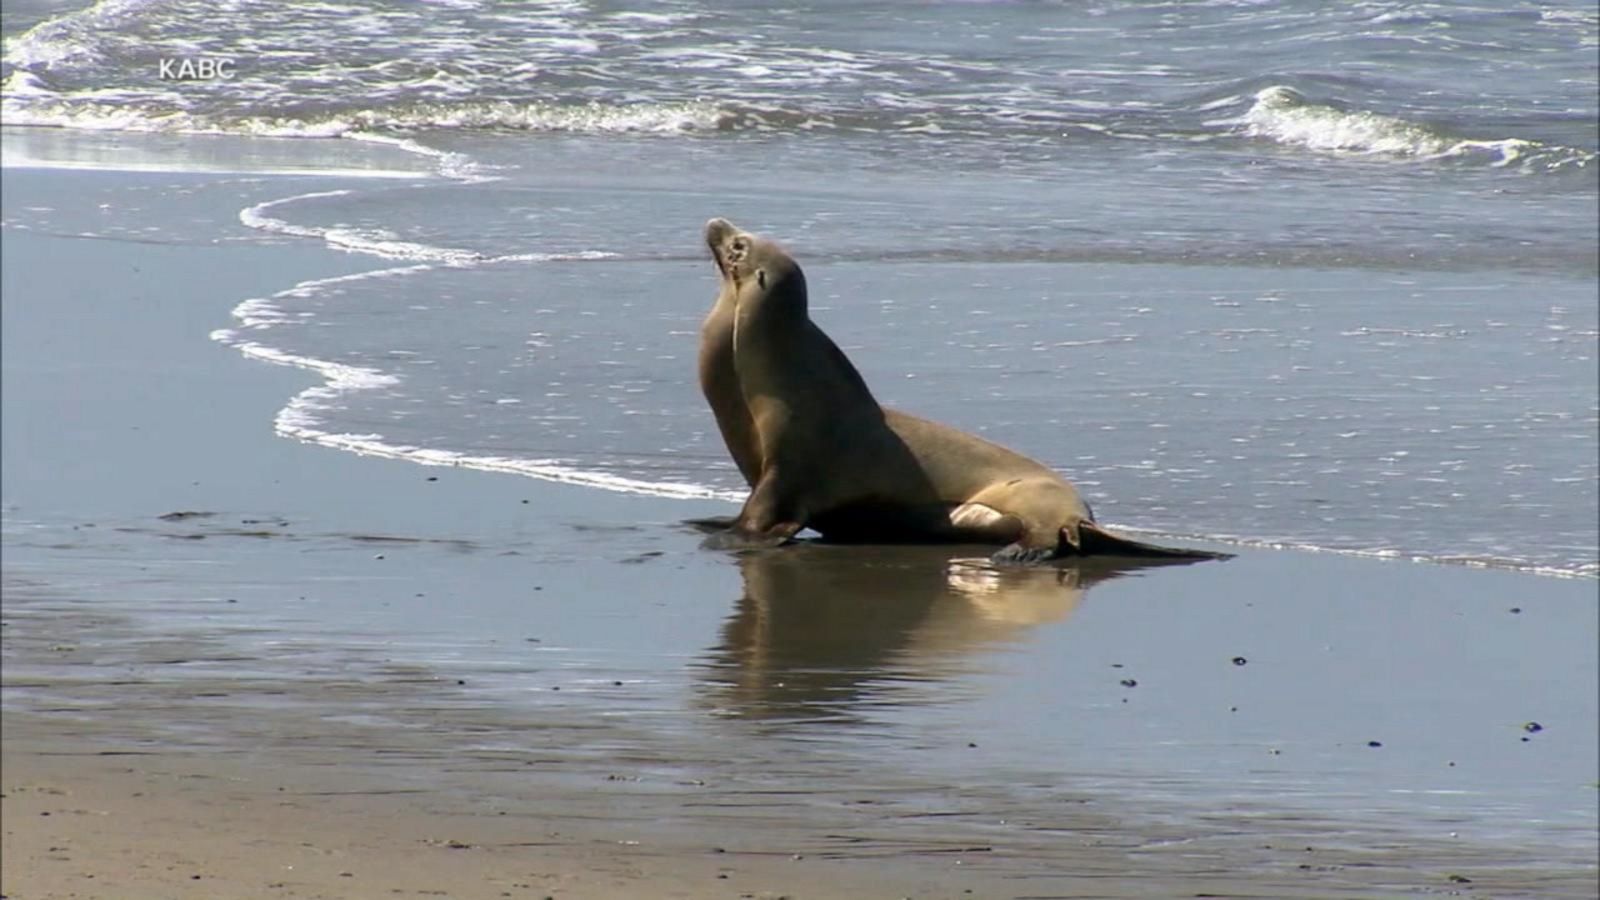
<point>716,230</point>
<point>728,244</point>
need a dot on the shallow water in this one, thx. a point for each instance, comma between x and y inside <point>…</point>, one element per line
<point>1291,275</point>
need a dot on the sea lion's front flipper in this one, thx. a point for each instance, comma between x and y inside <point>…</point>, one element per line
<point>712,523</point>
<point>735,539</point>
<point>771,516</point>
<point>1096,541</point>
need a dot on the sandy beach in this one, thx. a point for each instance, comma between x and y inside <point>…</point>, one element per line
<point>241,666</point>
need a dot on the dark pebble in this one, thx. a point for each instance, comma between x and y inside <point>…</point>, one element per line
<point>1374,743</point>
<point>433,478</point>
<point>1533,728</point>
<point>971,744</point>
<point>1515,610</point>
<point>1239,660</point>
<point>1129,682</point>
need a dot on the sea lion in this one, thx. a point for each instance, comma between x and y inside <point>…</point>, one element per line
<point>819,451</point>
<point>720,383</point>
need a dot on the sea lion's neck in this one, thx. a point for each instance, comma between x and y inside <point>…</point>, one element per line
<point>777,310</point>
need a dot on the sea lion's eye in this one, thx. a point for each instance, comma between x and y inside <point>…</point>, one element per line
<point>738,244</point>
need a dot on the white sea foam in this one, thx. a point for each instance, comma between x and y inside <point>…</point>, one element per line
<point>556,470</point>
<point>303,417</point>
<point>28,105</point>
<point>386,245</point>
<point>16,158</point>
<point>585,118</point>
<point>450,165</point>
<point>353,240</point>
<point>17,108</point>
<point>1284,115</point>
<point>259,313</point>
<point>68,38</point>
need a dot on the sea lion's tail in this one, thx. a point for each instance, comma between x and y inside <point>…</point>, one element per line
<point>1096,541</point>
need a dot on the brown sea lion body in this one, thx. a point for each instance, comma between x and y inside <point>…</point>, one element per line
<point>820,452</point>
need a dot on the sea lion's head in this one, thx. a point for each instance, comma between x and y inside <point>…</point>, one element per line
<point>749,262</point>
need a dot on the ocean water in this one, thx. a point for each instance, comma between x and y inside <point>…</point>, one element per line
<point>1293,274</point>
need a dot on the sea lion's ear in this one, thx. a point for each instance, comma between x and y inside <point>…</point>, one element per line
<point>761,278</point>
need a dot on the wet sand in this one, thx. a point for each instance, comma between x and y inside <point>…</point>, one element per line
<point>124,780</point>
<point>220,679</point>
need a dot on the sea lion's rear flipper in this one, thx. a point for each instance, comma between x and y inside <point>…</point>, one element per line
<point>1041,545</point>
<point>1021,554</point>
<point>1096,541</point>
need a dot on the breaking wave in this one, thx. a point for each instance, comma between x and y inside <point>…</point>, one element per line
<point>1286,116</point>
<point>26,104</point>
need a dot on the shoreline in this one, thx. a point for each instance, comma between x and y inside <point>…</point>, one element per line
<point>324,620</point>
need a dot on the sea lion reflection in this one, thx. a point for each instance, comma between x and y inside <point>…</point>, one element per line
<point>823,630</point>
